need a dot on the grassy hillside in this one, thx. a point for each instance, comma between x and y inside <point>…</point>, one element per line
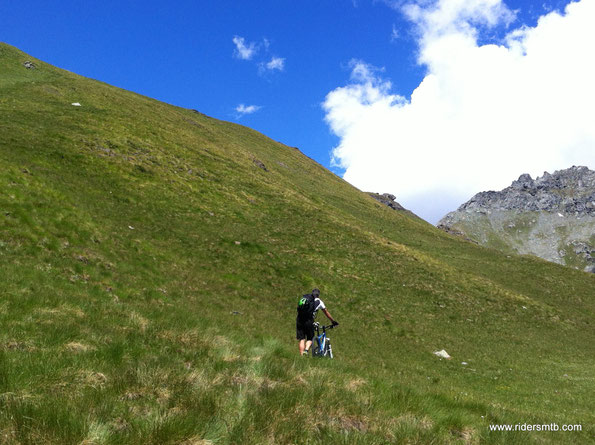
<point>152,258</point>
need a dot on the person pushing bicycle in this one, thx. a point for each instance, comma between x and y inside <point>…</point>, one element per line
<point>307,308</point>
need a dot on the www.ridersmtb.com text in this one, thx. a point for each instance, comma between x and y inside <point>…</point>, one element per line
<point>538,427</point>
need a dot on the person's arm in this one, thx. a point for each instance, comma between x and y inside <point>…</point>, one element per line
<point>328,315</point>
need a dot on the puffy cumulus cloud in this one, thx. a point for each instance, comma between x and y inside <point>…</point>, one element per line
<point>482,115</point>
<point>451,16</point>
<point>244,51</point>
<point>242,109</point>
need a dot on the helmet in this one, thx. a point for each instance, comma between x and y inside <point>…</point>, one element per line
<point>315,292</point>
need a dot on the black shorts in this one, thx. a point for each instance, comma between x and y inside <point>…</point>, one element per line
<point>304,329</point>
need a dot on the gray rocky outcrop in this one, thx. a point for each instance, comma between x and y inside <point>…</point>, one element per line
<point>552,216</point>
<point>387,199</point>
<point>571,191</point>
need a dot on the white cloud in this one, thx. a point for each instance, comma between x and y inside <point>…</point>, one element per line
<point>244,51</point>
<point>248,51</point>
<point>276,63</point>
<point>394,35</point>
<point>242,109</point>
<point>437,18</point>
<point>482,115</point>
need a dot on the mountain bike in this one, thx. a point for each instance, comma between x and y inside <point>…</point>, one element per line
<point>322,344</point>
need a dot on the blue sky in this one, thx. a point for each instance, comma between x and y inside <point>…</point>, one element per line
<point>185,54</point>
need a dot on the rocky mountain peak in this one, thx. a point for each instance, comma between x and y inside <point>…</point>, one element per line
<point>551,216</point>
<point>569,191</point>
<point>525,181</point>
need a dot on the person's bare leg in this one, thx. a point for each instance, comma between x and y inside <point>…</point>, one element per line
<point>308,344</point>
<point>302,344</point>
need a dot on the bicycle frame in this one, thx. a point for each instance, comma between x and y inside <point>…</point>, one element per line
<point>323,343</point>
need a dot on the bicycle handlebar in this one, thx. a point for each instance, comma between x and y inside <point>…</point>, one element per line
<point>319,326</point>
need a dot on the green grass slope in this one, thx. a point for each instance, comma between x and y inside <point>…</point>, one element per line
<point>151,260</point>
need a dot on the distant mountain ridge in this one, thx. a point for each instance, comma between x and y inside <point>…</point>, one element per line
<point>570,191</point>
<point>552,216</point>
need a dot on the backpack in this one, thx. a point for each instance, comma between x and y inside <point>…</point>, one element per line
<point>305,308</point>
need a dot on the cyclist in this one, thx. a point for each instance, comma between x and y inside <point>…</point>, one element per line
<point>308,306</point>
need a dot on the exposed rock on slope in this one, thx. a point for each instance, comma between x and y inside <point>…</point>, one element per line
<point>387,199</point>
<point>552,217</point>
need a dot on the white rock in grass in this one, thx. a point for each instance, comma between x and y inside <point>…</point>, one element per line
<point>131,228</point>
<point>442,354</point>
<point>75,104</point>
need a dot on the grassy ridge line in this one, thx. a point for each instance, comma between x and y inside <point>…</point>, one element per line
<point>180,270</point>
